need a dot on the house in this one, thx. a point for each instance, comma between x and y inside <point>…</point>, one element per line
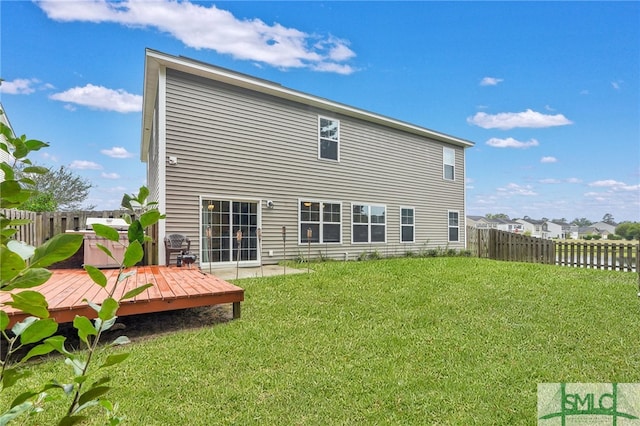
<point>560,230</point>
<point>297,174</point>
<point>535,228</point>
<point>603,229</point>
<point>507,225</point>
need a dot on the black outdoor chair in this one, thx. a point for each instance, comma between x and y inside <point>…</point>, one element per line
<point>175,243</point>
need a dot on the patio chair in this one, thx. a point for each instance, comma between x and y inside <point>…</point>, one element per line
<point>175,243</point>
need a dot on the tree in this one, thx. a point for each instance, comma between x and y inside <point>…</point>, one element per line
<point>629,230</point>
<point>582,222</point>
<point>41,202</point>
<point>608,218</point>
<point>497,216</point>
<point>67,189</point>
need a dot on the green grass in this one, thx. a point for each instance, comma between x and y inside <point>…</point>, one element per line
<point>402,341</point>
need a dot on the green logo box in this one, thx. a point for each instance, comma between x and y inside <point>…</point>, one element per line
<point>567,404</point>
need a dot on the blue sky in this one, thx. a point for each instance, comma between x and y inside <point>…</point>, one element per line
<point>549,92</point>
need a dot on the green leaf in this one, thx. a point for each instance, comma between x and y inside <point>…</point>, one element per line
<point>105,250</point>
<point>124,275</point>
<point>23,249</point>
<point>35,145</point>
<point>96,275</point>
<point>58,248</point>
<point>149,218</point>
<point>126,202</point>
<point>11,376</point>
<point>57,343</point>
<point>7,170</point>
<point>114,359</point>
<point>143,193</point>
<point>108,309</point>
<point>71,420</point>
<point>30,278</point>
<point>135,232</point>
<point>30,302</point>
<point>15,412</point>
<point>36,169</point>
<point>12,265</point>
<point>41,349</point>
<point>22,398</point>
<point>4,320</point>
<point>136,291</point>
<point>105,231</point>
<point>13,194</point>
<point>39,330</point>
<point>85,328</point>
<point>133,254</point>
<point>92,394</point>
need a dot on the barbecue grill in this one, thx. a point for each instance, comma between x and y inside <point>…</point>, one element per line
<point>93,255</point>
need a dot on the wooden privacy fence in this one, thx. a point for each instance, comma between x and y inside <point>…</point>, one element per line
<point>502,245</point>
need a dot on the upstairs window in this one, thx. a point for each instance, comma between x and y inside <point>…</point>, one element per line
<point>449,161</point>
<point>329,139</point>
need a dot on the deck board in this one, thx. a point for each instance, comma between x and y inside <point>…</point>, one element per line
<point>173,288</point>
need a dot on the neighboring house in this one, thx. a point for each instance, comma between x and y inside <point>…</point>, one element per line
<point>536,228</point>
<point>601,228</point>
<point>4,156</point>
<point>481,222</point>
<point>560,230</point>
<point>227,152</point>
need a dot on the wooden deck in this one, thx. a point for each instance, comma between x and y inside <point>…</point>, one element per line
<point>173,288</point>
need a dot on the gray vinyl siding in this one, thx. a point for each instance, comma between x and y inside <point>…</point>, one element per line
<point>238,144</point>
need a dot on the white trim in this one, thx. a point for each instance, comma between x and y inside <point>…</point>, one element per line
<point>314,200</point>
<point>413,224</point>
<point>162,155</point>
<point>386,223</point>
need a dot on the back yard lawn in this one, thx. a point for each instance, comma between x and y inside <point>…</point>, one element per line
<point>401,341</point>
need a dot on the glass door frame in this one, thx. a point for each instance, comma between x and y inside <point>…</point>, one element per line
<point>205,237</point>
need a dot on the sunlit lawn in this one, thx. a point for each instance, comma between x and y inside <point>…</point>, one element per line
<point>403,341</point>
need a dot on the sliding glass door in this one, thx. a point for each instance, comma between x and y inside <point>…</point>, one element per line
<point>222,223</point>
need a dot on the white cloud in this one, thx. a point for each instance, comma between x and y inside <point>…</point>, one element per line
<point>84,165</point>
<point>617,85</point>
<point>207,27</point>
<point>614,185</point>
<point>511,143</point>
<point>515,189</point>
<point>110,175</point>
<point>511,120</point>
<point>21,86</point>
<point>490,81</point>
<point>549,159</point>
<point>117,152</point>
<point>550,181</point>
<point>99,97</point>
<point>574,180</point>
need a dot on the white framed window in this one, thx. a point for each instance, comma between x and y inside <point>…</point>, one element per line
<point>369,223</point>
<point>328,138</point>
<point>407,225</point>
<point>454,226</point>
<point>449,163</point>
<point>320,221</point>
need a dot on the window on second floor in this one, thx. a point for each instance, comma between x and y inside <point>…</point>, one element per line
<point>449,161</point>
<point>328,139</point>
